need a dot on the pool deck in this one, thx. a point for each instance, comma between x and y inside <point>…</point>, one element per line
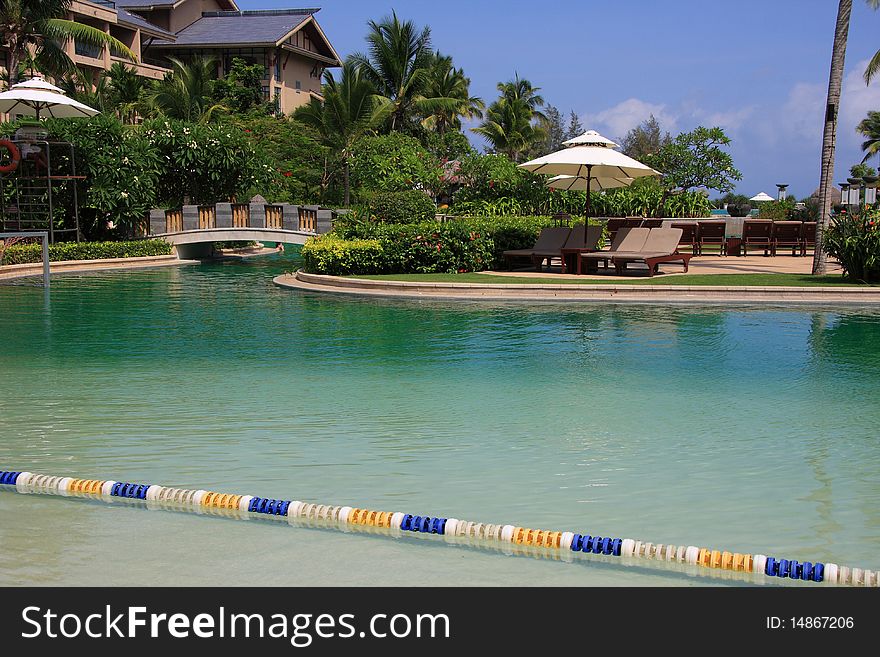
<point>613,293</point>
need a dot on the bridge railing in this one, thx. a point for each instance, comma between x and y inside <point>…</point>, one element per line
<point>283,216</point>
<point>207,216</point>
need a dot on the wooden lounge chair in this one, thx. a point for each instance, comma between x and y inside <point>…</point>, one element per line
<point>550,240</point>
<point>808,236</point>
<point>579,241</point>
<point>712,231</point>
<point>787,234</point>
<point>690,236</point>
<point>613,225</point>
<point>758,234</point>
<point>660,246</point>
<point>627,239</point>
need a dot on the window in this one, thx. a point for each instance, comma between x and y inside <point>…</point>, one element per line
<point>277,66</point>
<point>278,108</point>
<point>87,50</point>
<point>265,93</point>
<point>299,85</point>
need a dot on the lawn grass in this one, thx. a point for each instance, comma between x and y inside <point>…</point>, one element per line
<point>746,280</point>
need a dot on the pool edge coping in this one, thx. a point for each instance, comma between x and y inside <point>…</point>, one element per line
<point>321,283</point>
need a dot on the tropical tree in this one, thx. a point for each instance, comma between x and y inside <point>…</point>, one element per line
<point>575,129</point>
<point>645,139</point>
<point>874,63</point>
<point>835,81</point>
<point>350,109</point>
<point>35,31</point>
<point>397,64</point>
<point>126,91</point>
<point>862,170</point>
<point>555,130</point>
<point>447,97</point>
<point>513,123</point>
<point>187,92</point>
<point>869,127</point>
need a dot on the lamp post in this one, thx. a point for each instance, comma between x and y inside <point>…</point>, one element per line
<point>782,194</point>
<point>855,191</point>
<point>844,193</point>
<point>870,189</point>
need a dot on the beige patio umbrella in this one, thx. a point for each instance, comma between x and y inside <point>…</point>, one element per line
<point>579,184</point>
<point>37,96</point>
<point>591,157</point>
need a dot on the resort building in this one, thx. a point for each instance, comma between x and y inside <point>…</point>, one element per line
<point>288,43</point>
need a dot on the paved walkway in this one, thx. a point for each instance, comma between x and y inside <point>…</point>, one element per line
<point>705,264</point>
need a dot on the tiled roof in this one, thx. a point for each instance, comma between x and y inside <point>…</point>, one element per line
<point>140,4</point>
<point>245,27</point>
<point>133,19</point>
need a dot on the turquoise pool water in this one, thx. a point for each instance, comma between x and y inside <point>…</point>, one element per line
<point>751,429</point>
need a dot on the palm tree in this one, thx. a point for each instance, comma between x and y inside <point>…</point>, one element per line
<point>838,55</point>
<point>186,93</point>
<point>397,65</point>
<point>870,127</point>
<point>874,64</point>
<point>126,91</point>
<point>349,109</point>
<point>35,31</point>
<point>448,98</point>
<point>513,124</point>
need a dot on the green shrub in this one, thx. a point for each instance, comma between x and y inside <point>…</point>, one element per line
<point>393,163</point>
<point>407,207</point>
<point>855,241</point>
<point>122,173</point>
<point>337,257</point>
<point>462,245</point>
<point>778,210</point>
<point>19,254</point>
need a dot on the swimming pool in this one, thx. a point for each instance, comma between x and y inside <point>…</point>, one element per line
<point>750,429</point>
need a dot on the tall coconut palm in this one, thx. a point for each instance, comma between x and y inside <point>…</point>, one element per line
<point>349,109</point>
<point>869,127</point>
<point>838,56</point>
<point>186,93</point>
<point>447,97</point>
<point>514,124</point>
<point>35,31</point>
<point>873,65</point>
<point>397,64</point>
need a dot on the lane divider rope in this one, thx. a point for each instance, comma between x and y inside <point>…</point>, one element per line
<point>551,543</point>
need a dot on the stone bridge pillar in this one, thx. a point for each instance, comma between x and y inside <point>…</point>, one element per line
<point>257,218</point>
<point>325,221</point>
<point>190,217</point>
<point>290,217</point>
<point>157,222</point>
<point>224,215</point>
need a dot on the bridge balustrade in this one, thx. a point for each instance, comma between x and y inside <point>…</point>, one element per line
<point>308,219</point>
<point>275,216</point>
<point>173,221</point>
<point>241,215</point>
<point>207,216</point>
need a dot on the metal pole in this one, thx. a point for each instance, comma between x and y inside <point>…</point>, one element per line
<point>45,239</point>
<point>587,217</point>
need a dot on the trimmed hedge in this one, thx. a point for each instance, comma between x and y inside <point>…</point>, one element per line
<point>406,207</point>
<point>462,245</point>
<point>338,257</point>
<point>19,254</point>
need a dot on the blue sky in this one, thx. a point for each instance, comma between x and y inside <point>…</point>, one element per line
<point>758,69</point>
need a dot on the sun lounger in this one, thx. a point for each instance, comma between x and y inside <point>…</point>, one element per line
<point>660,246</point>
<point>758,234</point>
<point>550,240</point>
<point>808,237</point>
<point>578,243</point>
<point>627,239</point>
<point>690,235</point>
<point>787,234</point>
<point>712,231</point>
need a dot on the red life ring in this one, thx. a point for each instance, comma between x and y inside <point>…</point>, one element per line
<point>14,156</point>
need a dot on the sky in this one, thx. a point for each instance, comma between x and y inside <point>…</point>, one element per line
<point>758,69</point>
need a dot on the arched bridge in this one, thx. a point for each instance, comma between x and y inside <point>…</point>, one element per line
<point>194,228</point>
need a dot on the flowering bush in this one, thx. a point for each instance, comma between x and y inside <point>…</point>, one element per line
<point>205,164</point>
<point>393,163</point>
<point>122,173</point>
<point>855,241</point>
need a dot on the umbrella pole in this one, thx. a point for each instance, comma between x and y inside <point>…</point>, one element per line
<point>587,209</point>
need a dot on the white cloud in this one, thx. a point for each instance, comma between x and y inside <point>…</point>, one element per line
<point>730,120</point>
<point>856,99</point>
<point>616,121</point>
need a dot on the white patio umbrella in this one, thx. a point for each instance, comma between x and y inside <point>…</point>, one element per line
<point>37,96</point>
<point>579,184</point>
<point>591,157</point>
<point>763,196</point>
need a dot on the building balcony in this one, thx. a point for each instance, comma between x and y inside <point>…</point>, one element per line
<point>145,70</point>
